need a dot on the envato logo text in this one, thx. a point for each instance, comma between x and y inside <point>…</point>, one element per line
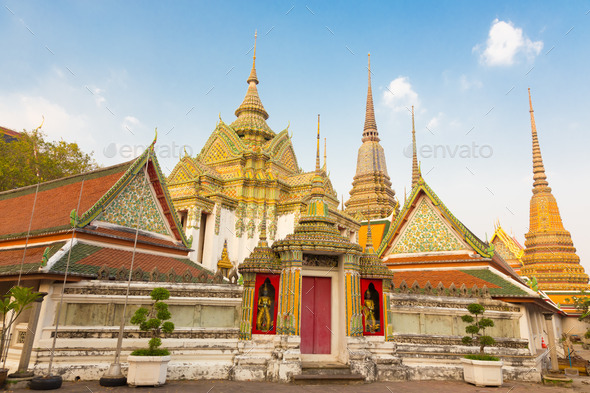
<point>451,151</point>
<point>162,151</point>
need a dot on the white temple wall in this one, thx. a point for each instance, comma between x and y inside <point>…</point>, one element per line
<point>285,225</point>
<point>428,330</point>
<point>202,346</point>
<point>571,325</point>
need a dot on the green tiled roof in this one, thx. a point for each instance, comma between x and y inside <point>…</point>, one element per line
<point>506,288</point>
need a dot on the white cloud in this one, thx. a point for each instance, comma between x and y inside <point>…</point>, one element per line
<point>504,43</point>
<point>130,123</point>
<point>26,112</point>
<point>434,123</point>
<point>467,83</point>
<point>400,95</point>
<point>97,93</point>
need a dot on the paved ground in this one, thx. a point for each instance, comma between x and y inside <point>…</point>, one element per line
<point>262,387</point>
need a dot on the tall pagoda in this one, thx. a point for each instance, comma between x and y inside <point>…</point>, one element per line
<point>549,253</point>
<point>371,196</point>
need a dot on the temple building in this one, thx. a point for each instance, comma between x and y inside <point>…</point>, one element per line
<point>371,196</point>
<point>245,170</point>
<point>325,298</point>
<point>79,240</point>
<point>549,255</point>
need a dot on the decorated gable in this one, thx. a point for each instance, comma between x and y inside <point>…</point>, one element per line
<point>125,209</point>
<point>184,171</point>
<point>426,231</point>
<point>288,160</point>
<point>222,144</point>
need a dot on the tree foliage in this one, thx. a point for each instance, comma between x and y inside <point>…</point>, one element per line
<point>582,303</point>
<point>12,304</point>
<point>477,327</point>
<point>31,159</point>
<point>154,320</point>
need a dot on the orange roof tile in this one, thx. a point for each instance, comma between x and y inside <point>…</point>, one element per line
<point>55,200</point>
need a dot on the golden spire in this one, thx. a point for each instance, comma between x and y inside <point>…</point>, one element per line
<point>539,177</point>
<point>325,156</point>
<point>253,77</point>
<point>549,255</point>
<point>317,156</point>
<point>251,115</point>
<point>370,130</point>
<point>415,169</point>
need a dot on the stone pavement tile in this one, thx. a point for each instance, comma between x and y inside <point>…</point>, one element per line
<point>263,387</point>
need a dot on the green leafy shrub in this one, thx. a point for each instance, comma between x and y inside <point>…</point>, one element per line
<point>154,320</point>
<point>477,327</point>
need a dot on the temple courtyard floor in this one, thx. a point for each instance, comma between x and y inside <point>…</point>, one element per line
<point>581,384</point>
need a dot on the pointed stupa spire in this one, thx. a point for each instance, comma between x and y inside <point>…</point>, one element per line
<point>317,155</point>
<point>539,177</point>
<point>325,167</point>
<point>415,168</point>
<point>549,254</point>
<point>370,130</point>
<point>317,206</point>
<point>371,181</point>
<point>251,115</point>
<point>253,77</point>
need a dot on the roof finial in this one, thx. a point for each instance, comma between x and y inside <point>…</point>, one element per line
<point>415,169</point>
<point>539,177</point>
<point>370,130</point>
<point>253,77</point>
<point>317,156</point>
<point>325,156</point>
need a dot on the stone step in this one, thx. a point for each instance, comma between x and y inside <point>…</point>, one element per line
<point>340,379</point>
<point>325,369</point>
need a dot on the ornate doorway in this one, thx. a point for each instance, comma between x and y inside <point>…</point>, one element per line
<point>316,318</point>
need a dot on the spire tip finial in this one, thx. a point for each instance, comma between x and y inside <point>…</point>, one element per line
<point>255,37</point>
<point>317,157</point>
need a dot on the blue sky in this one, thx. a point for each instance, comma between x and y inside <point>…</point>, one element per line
<point>105,74</point>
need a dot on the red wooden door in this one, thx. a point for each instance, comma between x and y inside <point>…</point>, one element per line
<point>316,319</point>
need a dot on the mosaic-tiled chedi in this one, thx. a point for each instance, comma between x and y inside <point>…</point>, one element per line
<point>549,253</point>
<point>244,169</point>
<point>371,195</point>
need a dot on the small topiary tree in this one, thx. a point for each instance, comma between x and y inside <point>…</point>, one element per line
<point>477,328</point>
<point>154,320</point>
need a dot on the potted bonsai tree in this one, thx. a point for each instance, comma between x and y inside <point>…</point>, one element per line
<point>148,366</point>
<point>480,369</point>
<point>12,304</point>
